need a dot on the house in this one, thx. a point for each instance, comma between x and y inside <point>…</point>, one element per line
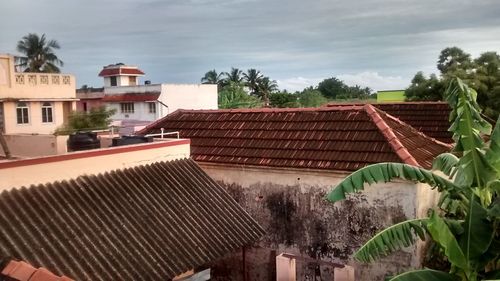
<point>391,96</point>
<point>141,212</point>
<point>32,107</point>
<point>431,118</point>
<point>280,163</point>
<point>138,105</point>
<point>89,98</point>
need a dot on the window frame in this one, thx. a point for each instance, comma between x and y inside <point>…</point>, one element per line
<point>152,107</point>
<point>46,107</point>
<point>25,110</point>
<point>127,107</point>
<point>113,81</point>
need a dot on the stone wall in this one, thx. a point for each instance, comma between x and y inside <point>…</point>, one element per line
<point>290,205</point>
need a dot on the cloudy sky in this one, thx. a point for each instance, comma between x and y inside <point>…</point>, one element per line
<point>376,43</point>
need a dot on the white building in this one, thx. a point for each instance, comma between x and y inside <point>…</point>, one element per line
<point>141,104</point>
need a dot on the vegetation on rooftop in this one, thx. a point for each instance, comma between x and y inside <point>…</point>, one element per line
<point>98,118</point>
<point>464,227</point>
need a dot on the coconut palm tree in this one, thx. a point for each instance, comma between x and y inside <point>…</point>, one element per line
<point>235,75</point>
<point>212,77</point>
<point>265,87</point>
<point>38,54</point>
<point>252,77</point>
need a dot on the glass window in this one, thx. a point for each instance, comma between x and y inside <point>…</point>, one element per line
<point>22,111</point>
<point>152,107</point>
<point>127,107</point>
<point>47,112</point>
<point>113,80</point>
<point>132,80</point>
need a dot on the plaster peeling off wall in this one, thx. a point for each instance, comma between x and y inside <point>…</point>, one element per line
<point>297,219</point>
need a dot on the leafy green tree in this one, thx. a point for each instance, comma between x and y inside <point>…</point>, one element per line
<point>487,82</point>
<point>311,97</point>
<point>425,89</point>
<point>332,87</point>
<point>212,77</point>
<point>234,95</point>
<point>454,61</point>
<point>468,233</point>
<point>98,118</point>
<point>283,100</point>
<point>252,78</point>
<point>38,54</point>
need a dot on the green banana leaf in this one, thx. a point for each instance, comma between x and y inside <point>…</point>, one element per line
<point>493,152</point>
<point>385,172</point>
<point>425,275</point>
<point>446,163</point>
<point>391,239</point>
<point>442,235</point>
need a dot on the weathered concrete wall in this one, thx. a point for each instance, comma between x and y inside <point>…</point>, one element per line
<point>290,205</point>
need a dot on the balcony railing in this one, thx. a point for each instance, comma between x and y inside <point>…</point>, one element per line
<point>33,79</point>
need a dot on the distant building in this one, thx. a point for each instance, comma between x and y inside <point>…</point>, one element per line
<point>391,96</point>
<point>32,107</point>
<point>137,104</point>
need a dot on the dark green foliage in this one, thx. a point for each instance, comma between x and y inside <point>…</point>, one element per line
<point>311,98</point>
<point>234,96</point>
<point>283,100</point>
<point>96,119</point>
<point>38,54</point>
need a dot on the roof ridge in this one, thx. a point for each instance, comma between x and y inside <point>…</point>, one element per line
<point>275,110</point>
<point>389,135</point>
<point>395,119</point>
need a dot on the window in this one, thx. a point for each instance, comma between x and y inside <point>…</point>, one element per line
<point>112,79</point>
<point>152,107</point>
<point>132,80</point>
<point>22,111</point>
<point>127,107</point>
<point>47,112</point>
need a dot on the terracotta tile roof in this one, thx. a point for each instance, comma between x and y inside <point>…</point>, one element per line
<point>145,223</point>
<point>131,97</point>
<point>120,71</point>
<point>431,118</point>
<point>334,138</point>
<point>22,271</point>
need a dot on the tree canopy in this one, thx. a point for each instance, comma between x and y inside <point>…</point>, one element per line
<point>482,74</point>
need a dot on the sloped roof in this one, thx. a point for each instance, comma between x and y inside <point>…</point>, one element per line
<point>145,223</point>
<point>431,118</point>
<point>131,97</point>
<point>115,71</point>
<point>334,138</point>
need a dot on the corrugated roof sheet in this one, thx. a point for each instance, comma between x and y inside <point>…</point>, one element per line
<point>334,138</point>
<point>146,223</point>
<point>431,118</point>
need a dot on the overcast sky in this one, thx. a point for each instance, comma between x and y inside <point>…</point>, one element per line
<point>376,43</point>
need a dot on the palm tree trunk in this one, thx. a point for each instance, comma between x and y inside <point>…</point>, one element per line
<point>5,148</point>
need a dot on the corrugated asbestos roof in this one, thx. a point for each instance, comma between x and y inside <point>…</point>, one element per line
<point>145,223</point>
<point>431,118</point>
<point>335,138</point>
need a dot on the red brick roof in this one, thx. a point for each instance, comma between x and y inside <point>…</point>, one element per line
<point>334,138</point>
<point>120,71</point>
<point>149,222</point>
<point>431,118</point>
<point>131,97</point>
<point>22,271</point>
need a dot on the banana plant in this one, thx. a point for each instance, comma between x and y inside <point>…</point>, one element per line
<point>465,224</point>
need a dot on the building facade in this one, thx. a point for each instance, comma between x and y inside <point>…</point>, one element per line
<point>33,104</point>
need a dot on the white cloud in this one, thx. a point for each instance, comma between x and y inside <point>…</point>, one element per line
<point>375,81</point>
<point>297,83</point>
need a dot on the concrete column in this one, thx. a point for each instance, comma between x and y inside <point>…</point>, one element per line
<point>285,268</point>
